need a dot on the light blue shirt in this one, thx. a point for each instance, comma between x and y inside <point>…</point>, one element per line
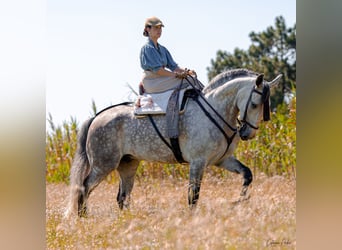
<point>152,58</point>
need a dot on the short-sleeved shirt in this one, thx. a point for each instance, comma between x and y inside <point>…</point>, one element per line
<point>153,58</point>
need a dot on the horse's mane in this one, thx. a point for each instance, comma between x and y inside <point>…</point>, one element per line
<point>227,76</point>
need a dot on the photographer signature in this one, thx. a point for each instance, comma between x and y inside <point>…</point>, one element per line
<point>273,243</point>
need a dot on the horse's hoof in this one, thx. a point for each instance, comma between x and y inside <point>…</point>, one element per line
<point>82,213</point>
<point>244,191</point>
<point>241,199</point>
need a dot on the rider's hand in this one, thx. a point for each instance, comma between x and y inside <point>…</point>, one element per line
<point>192,72</point>
<point>181,75</point>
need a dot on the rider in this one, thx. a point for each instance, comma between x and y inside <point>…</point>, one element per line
<point>161,72</point>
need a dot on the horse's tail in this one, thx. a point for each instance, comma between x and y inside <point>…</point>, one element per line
<point>80,169</point>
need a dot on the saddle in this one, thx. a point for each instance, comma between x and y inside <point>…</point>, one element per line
<point>156,103</point>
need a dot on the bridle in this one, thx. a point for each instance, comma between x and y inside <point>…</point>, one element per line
<point>265,95</point>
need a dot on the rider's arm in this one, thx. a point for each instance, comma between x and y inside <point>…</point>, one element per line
<point>164,72</point>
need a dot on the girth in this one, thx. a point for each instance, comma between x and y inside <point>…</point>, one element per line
<point>173,145</point>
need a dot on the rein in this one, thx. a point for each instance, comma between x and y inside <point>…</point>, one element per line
<point>211,107</point>
<point>195,98</point>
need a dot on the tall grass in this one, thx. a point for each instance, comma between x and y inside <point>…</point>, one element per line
<point>272,152</point>
<point>159,218</point>
<point>60,148</point>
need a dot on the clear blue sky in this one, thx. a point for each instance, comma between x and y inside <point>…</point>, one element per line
<point>93,46</point>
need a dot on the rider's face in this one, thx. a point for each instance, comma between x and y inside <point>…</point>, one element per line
<point>155,32</point>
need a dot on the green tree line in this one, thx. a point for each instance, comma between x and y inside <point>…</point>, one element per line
<point>272,51</point>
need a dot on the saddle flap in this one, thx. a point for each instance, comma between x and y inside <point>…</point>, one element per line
<point>155,103</point>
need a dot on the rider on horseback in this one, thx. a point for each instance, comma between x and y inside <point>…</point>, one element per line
<point>162,73</point>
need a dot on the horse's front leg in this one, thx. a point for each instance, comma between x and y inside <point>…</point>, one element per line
<point>196,175</point>
<point>234,165</point>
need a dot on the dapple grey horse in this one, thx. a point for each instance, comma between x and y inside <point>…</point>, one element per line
<point>210,130</point>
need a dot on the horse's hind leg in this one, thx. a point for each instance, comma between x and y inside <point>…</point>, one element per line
<point>96,175</point>
<point>236,166</point>
<point>127,169</point>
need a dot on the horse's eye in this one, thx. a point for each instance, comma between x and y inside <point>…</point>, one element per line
<point>253,105</point>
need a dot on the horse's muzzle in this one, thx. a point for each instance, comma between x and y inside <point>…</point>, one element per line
<point>244,132</point>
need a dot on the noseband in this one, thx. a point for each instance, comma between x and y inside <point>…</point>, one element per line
<point>265,95</point>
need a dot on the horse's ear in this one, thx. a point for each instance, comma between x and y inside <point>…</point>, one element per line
<point>275,81</point>
<point>259,79</point>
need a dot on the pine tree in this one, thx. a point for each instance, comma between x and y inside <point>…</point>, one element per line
<point>272,52</point>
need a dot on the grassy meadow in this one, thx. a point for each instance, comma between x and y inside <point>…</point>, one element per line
<point>159,217</point>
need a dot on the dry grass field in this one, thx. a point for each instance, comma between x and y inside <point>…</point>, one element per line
<point>159,217</point>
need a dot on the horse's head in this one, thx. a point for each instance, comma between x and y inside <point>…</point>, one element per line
<point>253,104</point>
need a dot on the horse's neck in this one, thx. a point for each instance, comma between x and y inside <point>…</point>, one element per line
<point>223,99</point>
<point>226,76</point>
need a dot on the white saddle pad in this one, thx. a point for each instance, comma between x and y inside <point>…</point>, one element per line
<point>155,103</point>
